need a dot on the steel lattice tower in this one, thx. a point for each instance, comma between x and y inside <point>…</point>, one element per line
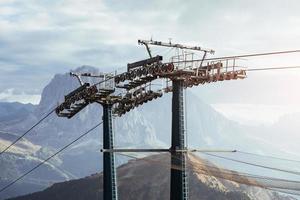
<point>109,169</point>
<point>179,181</point>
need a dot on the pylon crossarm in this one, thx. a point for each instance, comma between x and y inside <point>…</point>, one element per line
<point>167,150</point>
<point>169,44</point>
<point>134,150</point>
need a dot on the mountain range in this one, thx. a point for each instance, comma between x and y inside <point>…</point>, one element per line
<point>149,178</point>
<point>147,126</point>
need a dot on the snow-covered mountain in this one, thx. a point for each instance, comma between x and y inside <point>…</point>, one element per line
<point>79,160</point>
<point>147,126</point>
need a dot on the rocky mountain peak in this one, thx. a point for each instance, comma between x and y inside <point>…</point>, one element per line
<point>60,85</point>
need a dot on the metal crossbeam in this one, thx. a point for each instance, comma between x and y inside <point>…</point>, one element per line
<point>145,62</point>
<point>169,44</point>
<point>167,150</point>
<point>134,150</point>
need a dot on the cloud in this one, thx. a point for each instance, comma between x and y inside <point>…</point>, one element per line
<point>10,96</point>
<point>255,113</point>
<point>40,38</point>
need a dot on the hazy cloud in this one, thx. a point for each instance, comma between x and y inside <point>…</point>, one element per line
<point>39,38</point>
<point>10,96</point>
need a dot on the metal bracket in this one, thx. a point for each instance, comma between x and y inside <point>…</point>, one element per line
<point>77,76</point>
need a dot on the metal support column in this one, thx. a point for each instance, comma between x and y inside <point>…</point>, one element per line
<point>179,182</point>
<point>109,170</point>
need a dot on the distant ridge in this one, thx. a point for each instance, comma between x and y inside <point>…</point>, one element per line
<point>148,178</point>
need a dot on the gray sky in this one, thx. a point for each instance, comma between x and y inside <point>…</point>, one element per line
<point>39,38</point>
